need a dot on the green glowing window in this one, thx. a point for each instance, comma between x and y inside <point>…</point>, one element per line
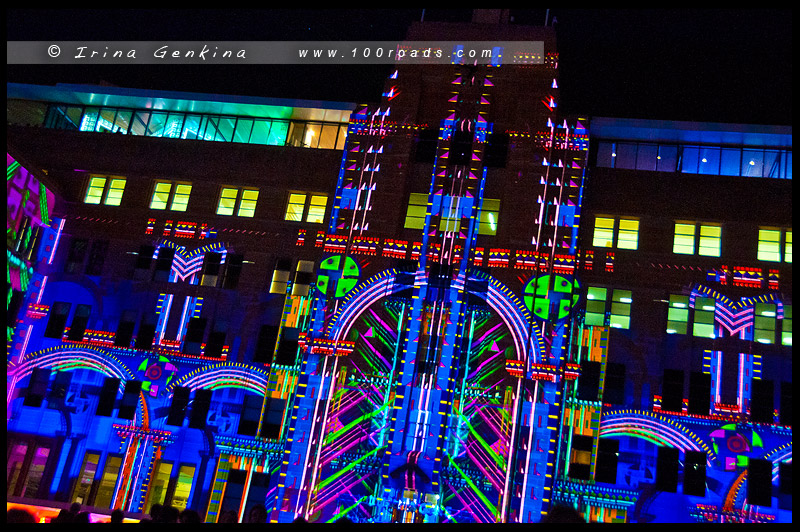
<point>678,314</point>
<point>704,317</point>
<point>764,323</point>
<point>621,309</point>
<point>180,200</point>
<point>316,209</point>
<point>603,232</point>
<point>709,243</point>
<point>786,332</point>
<point>227,201</point>
<point>684,239</point>
<point>105,190</point>
<point>417,208</point>
<point>183,487</point>
<point>596,305</point>
<point>490,215</point>
<point>161,195</point>
<point>247,207</point>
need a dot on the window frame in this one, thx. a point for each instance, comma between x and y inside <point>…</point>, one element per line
<point>108,193</point>
<point>311,210</point>
<point>240,203</point>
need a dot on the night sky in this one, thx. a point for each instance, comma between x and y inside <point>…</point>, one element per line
<point>699,65</point>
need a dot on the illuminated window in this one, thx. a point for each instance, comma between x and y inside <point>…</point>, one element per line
<point>106,190</point>
<point>417,208</point>
<point>490,214</point>
<point>239,201</point>
<point>596,306</point>
<point>620,309</point>
<point>786,332</point>
<point>708,244</point>
<point>85,479</point>
<point>704,317</point>
<point>105,491</point>
<point>627,233</point>
<point>678,314</point>
<point>157,492</point>
<point>769,245</point>
<point>296,207</point>
<point>183,488</point>
<point>166,195</point>
<point>764,323</point>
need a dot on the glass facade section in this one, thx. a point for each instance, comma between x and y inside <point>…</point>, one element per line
<point>695,159</point>
<point>216,128</point>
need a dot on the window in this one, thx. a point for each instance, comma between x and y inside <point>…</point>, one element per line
<point>417,208</point>
<point>678,314</point>
<point>490,214</point>
<point>83,485</point>
<point>708,244</point>
<point>786,331</point>
<point>597,303</point>
<point>769,245</point>
<point>704,317</point>
<point>627,233</point>
<point>241,201</point>
<point>596,306</point>
<point>175,196</point>
<point>105,490</point>
<point>296,207</point>
<point>158,485</point>
<point>106,190</point>
<point>764,323</point>
<point>183,487</point>
<point>621,309</point>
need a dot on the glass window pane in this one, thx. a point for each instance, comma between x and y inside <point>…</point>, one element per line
<point>772,164</point>
<point>769,245</point>
<point>710,239</point>
<point>247,207</point>
<point>787,251</point>
<point>730,163</point>
<point>35,472</point>
<point>156,126</point>
<point>684,239</point>
<point>160,195</point>
<point>340,140</point>
<point>628,234</point>
<point>122,122</point>
<point>183,488</point>
<point>596,293</point>
<point>16,458</point>
<point>260,132</point>
<point>709,161</point>
<point>225,128</point>
<point>667,159</point>
<point>158,485</point>
<point>278,133</point>
<point>95,191</point>
<point>753,163</point>
<point>105,492</point>
<point>105,120</point>
<point>295,135</point>
<point>227,201</point>
<point>86,477</point>
<point>316,211</point>
<point>605,157</point>
<point>489,218</point>
<point>603,232</point>
<point>115,190</point>
<point>180,200</point>
<point>191,126</point>
<point>139,124</point>
<point>689,159</point>
<point>89,119</point>
<point>243,128</point>
<point>295,208</point>
<point>646,158</point>
<point>327,139</point>
<point>173,126</point>
<point>626,155</point>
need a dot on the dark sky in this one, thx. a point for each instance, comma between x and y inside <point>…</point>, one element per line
<point>705,65</point>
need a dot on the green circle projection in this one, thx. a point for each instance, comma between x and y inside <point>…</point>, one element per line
<point>337,275</point>
<point>551,297</point>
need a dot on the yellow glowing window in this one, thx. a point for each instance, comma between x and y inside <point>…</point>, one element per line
<point>628,237</point>
<point>490,215</point>
<point>183,487</point>
<point>247,207</point>
<point>161,195</point>
<point>684,239</point>
<point>181,198</point>
<point>94,194</point>
<point>769,245</point>
<point>710,238</point>
<point>295,208</point>
<point>316,210</point>
<point>678,314</point>
<point>115,190</point>
<point>787,250</point>
<point>417,209</point>
<point>227,201</point>
<point>603,232</point>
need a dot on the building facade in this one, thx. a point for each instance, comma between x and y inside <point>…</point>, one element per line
<point>448,306</point>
